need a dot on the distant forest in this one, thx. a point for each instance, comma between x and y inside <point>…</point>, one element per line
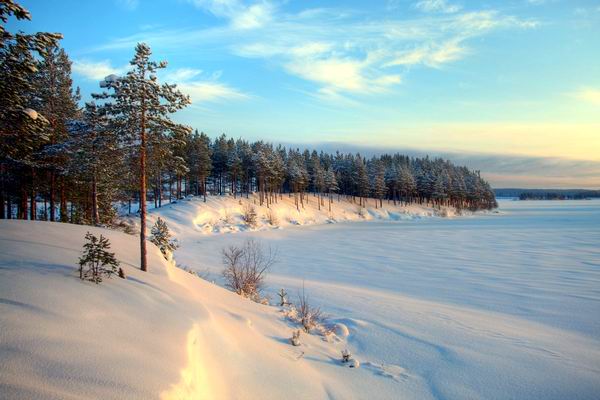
<point>78,162</point>
<point>123,146</point>
<point>548,194</point>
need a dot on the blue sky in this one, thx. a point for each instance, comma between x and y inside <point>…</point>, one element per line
<point>519,78</point>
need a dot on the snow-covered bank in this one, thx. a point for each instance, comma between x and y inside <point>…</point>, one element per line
<point>224,214</point>
<point>501,305</point>
<point>494,307</point>
<point>163,334</point>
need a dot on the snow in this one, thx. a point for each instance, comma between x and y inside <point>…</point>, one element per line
<point>223,214</point>
<point>498,305</point>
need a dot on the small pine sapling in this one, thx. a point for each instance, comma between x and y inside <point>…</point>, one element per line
<point>346,356</point>
<point>161,237</point>
<point>348,360</point>
<point>295,340</point>
<point>97,262</point>
<point>283,301</point>
<point>249,215</point>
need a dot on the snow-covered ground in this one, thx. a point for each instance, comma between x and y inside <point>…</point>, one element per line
<point>496,306</point>
<point>223,214</point>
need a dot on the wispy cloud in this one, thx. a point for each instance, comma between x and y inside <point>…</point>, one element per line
<point>340,52</point>
<point>241,16</point>
<point>97,70</point>
<point>190,82</point>
<point>437,6</point>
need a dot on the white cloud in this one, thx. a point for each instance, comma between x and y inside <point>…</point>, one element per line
<point>589,95</point>
<point>338,50</point>
<point>241,16</point>
<point>431,55</point>
<point>202,90</point>
<point>97,70</point>
<point>207,91</point>
<point>437,6</point>
<point>182,74</point>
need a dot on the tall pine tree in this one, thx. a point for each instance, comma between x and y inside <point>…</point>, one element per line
<point>140,108</point>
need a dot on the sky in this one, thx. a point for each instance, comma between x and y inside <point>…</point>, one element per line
<point>511,87</point>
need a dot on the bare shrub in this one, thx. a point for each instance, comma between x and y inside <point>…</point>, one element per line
<point>249,215</point>
<point>272,218</point>
<point>308,315</point>
<point>246,268</point>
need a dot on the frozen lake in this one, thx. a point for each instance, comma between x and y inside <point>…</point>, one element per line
<point>504,305</point>
<point>539,260</point>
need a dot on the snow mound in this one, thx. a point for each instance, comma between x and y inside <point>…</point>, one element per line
<point>224,214</point>
<point>163,334</point>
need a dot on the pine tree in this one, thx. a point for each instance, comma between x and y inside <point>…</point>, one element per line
<point>57,101</point>
<point>22,131</point>
<point>97,262</point>
<point>96,159</point>
<point>161,237</point>
<point>331,185</point>
<point>140,108</point>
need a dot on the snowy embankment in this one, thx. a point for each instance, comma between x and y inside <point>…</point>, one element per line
<point>224,214</point>
<point>500,306</point>
<point>162,334</point>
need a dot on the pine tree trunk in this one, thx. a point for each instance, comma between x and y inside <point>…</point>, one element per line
<point>52,194</point>
<point>8,207</point>
<point>33,210</point>
<point>95,214</point>
<point>159,191</point>
<point>3,213</point>
<point>63,202</point>
<point>143,265</point>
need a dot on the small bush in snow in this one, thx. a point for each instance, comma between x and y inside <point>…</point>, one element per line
<point>308,315</point>
<point>295,340</point>
<point>97,262</point>
<point>249,215</point>
<point>272,218</point>
<point>246,268</point>
<point>161,237</point>
<point>346,356</point>
<point>283,301</point>
<point>228,216</point>
<point>362,212</point>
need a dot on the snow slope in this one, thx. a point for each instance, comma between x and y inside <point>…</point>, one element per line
<point>502,305</point>
<point>497,306</point>
<point>223,214</point>
<point>162,334</point>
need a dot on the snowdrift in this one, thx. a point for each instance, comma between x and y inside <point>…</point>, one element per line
<point>223,214</point>
<point>162,334</point>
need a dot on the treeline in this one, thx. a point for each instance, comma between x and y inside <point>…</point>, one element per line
<point>576,195</point>
<point>548,194</point>
<point>76,163</point>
